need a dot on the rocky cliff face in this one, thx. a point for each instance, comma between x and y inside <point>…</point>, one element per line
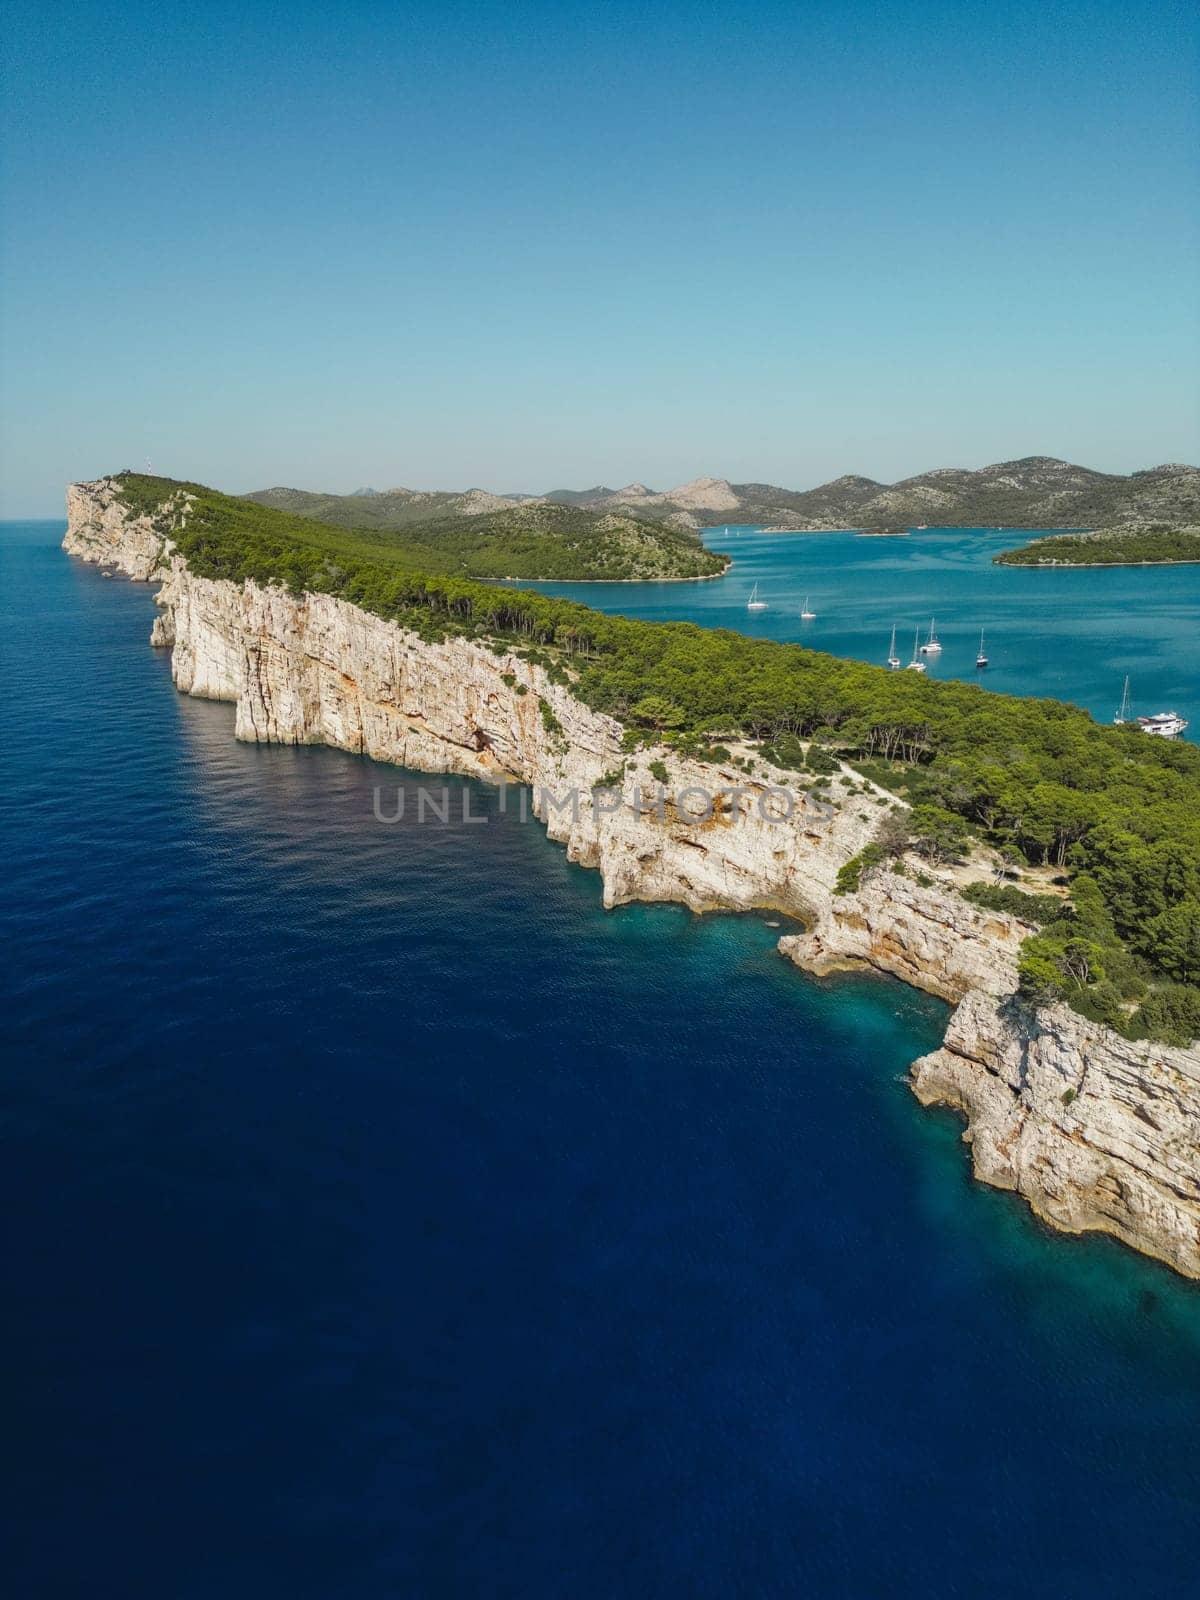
<point>316,670</point>
<point>929,936</point>
<point>100,529</point>
<point>1095,1132</point>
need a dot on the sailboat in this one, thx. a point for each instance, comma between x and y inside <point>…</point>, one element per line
<point>981,659</point>
<point>1122,715</point>
<point>754,603</point>
<point>893,658</point>
<point>806,615</point>
<point>932,645</point>
<point>916,664</point>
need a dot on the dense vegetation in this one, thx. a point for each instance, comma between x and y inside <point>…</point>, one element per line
<point>559,542</point>
<point>1039,908</point>
<point>552,542</point>
<point>385,510</point>
<point>1114,547</point>
<point>1116,812</point>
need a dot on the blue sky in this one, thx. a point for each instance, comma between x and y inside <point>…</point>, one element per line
<point>535,245</point>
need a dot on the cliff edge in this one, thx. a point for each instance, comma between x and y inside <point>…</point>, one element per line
<point>1097,1133</point>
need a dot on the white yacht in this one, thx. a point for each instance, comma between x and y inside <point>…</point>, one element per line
<point>916,664</point>
<point>806,615</point>
<point>981,659</point>
<point>893,658</point>
<point>754,603</point>
<point>1163,725</point>
<point>932,645</point>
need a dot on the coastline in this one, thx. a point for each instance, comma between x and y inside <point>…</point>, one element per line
<point>694,577</point>
<point>1187,561</point>
<point>1096,1133</point>
<point>932,527</point>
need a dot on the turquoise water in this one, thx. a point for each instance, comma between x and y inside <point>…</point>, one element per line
<point>384,1218</point>
<point>1069,635</point>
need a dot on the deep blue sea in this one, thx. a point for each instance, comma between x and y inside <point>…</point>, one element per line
<point>386,1219</point>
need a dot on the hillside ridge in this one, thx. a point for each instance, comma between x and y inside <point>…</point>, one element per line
<point>1028,492</point>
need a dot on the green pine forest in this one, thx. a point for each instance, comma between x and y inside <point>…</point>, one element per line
<point>1117,547</point>
<point>549,542</point>
<point>1115,813</point>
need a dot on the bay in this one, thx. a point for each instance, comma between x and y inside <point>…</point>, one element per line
<point>1067,634</point>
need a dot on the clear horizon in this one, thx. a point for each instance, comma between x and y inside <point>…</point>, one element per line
<point>543,246</point>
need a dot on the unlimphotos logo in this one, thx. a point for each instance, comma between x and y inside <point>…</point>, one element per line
<point>694,805</point>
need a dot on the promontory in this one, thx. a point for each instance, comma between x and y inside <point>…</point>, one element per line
<point>1038,871</point>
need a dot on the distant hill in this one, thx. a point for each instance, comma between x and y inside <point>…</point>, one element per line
<point>1035,492</point>
<point>702,494</point>
<point>383,508</point>
<point>579,497</point>
<point>539,540</point>
<point>506,536</point>
<point>835,505</point>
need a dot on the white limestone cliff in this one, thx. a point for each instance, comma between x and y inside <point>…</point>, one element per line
<point>1095,1132</point>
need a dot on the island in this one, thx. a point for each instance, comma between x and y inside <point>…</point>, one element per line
<point>1156,546</point>
<point>1038,871</point>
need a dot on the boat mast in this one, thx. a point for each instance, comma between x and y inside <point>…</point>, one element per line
<point>1123,714</point>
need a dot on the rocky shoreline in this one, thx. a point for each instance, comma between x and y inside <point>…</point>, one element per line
<point>1097,1133</point>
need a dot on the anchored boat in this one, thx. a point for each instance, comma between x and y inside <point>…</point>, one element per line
<point>1123,709</point>
<point>1162,725</point>
<point>932,645</point>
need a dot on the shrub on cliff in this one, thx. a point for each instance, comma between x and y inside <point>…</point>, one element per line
<point>820,761</point>
<point>1039,908</point>
<point>851,875</point>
